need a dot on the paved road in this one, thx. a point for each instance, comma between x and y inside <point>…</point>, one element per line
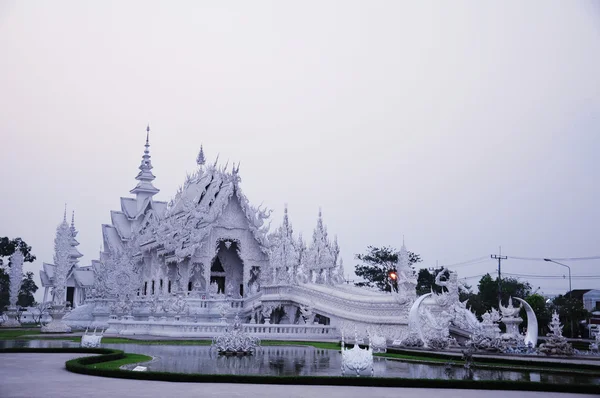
<point>44,375</point>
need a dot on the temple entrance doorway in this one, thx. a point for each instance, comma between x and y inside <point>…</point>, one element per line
<point>71,295</point>
<point>227,268</point>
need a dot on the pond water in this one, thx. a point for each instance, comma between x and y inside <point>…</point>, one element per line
<point>301,361</point>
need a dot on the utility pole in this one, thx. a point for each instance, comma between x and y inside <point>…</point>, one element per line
<point>499,257</point>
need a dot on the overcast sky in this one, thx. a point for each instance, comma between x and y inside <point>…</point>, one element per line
<point>461,125</point>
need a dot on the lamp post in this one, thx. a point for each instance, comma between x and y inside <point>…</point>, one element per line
<point>570,289</point>
<point>394,277</point>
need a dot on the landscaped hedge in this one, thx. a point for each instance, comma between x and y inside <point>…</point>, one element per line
<point>117,354</point>
<point>81,365</point>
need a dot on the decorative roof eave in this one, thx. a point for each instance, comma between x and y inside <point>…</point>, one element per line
<point>254,217</point>
<point>46,282</point>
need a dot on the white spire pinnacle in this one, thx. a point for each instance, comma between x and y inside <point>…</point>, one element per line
<point>200,159</point>
<point>145,177</point>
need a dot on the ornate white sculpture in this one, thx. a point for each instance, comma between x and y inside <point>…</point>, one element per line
<point>356,359</point>
<point>91,340</point>
<point>532,324</point>
<point>510,317</point>
<point>223,308</point>
<point>267,310</point>
<point>461,317</point>
<point>284,259</point>
<point>378,343</point>
<point>62,263</point>
<point>556,343</point>
<point>235,341</point>
<point>306,311</point>
<point>15,280</point>
<point>321,255</point>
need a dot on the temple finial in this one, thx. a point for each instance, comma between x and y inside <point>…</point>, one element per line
<point>145,177</point>
<point>65,214</point>
<point>73,219</point>
<point>285,214</point>
<point>200,159</point>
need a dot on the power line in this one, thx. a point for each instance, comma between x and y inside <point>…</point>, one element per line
<point>475,260</point>
<point>473,263</point>
<point>557,259</point>
<point>552,276</point>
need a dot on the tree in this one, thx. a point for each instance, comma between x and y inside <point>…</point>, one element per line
<point>28,288</point>
<point>377,265</point>
<point>37,313</point>
<point>541,310</point>
<point>8,247</point>
<point>511,287</point>
<point>426,281</point>
<point>571,312</point>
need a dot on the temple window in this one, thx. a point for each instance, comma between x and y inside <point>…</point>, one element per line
<point>152,288</point>
<point>145,288</point>
<point>189,286</point>
<point>169,287</point>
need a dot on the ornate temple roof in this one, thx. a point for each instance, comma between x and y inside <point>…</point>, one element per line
<point>179,227</point>
<point>196,208</point>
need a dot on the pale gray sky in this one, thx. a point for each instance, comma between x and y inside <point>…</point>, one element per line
<point>461,125</point>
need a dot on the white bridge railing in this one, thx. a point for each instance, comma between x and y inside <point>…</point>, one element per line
<point>126,327</point>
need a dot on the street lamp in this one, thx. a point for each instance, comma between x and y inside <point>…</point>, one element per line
<point>570,289</point>
<point>394,277</point>
<point>564,265</point>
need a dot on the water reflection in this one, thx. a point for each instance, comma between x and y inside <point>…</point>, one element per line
<point>302,361</point>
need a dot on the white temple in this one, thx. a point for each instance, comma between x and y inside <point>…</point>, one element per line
<point>176,268</point>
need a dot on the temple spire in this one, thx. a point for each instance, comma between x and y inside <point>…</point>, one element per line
<point>286,220</point>
<point>144,189</point>
<point>74,254</point>
<point>201,160</point>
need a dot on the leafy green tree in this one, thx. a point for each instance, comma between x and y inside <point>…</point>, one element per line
<point>9,246</point>
<point>571,313</point>
<point>542,312</point>
<point>426,281</point>
<point>28,288</point>
<point>377,265</point>
<point>511,287</point>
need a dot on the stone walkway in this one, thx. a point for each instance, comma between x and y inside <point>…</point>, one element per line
<point>44,375</point>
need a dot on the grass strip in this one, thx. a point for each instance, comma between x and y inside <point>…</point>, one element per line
<point>127,360</point>
<point>12,334</point>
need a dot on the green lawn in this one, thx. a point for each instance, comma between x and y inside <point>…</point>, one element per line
<point>13,334</point>
<point>129,358</point>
